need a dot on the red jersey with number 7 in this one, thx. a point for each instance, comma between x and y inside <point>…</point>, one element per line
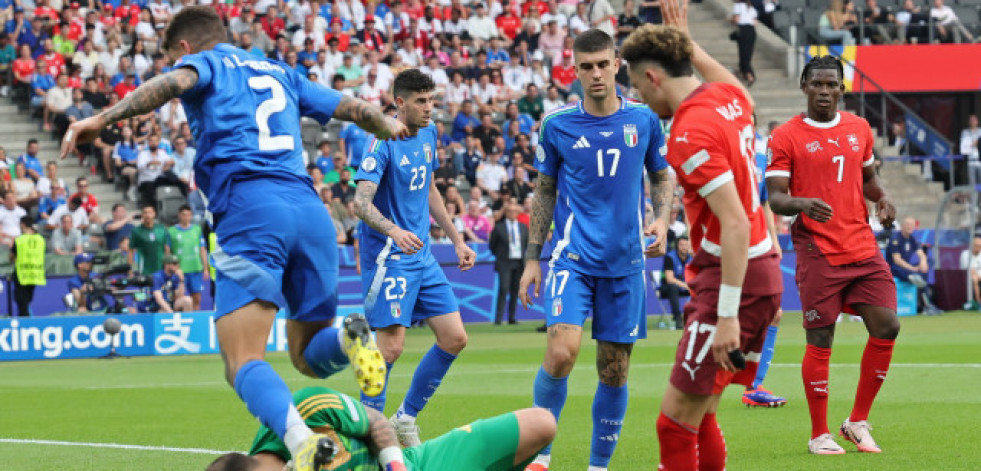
<point>825,160</point>
<point>713,143</point>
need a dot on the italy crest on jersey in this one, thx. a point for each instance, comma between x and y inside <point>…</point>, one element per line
<point>557,307</point>
<point>396,310</point>
<point>630,135</point>
<point>428,150</point>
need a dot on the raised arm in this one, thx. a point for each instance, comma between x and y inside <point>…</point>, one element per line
<point>370,118</point>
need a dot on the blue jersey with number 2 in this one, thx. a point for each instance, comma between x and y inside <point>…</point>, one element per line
<point>598,163</point>
<point>403,170</point>
<point>245,113</point>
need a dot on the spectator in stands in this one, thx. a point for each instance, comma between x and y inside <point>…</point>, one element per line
<point>564,73</point>
<point>342,191</point>
<point>552,40</point>
<point>465,122</point>
<point>948,24</point>
<point>24,68</point>
<point>971,261</point>
<point>969,148</point>
<point>673,285</point>
<point>481,26</point>
<point>469,157</point>
<point>508,241</point>
<point>518,184</point>
<point>352,143</point>
<point>27,254</point>
<point>528,39</point>
<point>89,202</point>
<point>151,164</point>
<point>445,175</point>
<point>23,186</point>
<point>491,175</point>
<point>50,179</point>
<point>333,175</point>
<point>147,241</point>
<point>744,17</point>
<point>831,25</point>
<point>53,201</point>
<point>117,231</point>
<point>80,218</point>
<point>7,55</point>
<point>93,96</point>
<point>66,239</point>
<point>476,225</point>
<point>908,261</point>
<point>627,22</point>
<point>897,137</point>
<point>40,84</point>
<point>525,122</point>
<point>878,21</point>
<point>318,178</point>
<point>125,156</point>
<point>457,91</point>
<point>184,160</point>
<point>168,292</point>
<point>56,102</point>
<point>128,84</point>
<point>10,218</point>
<point>487,132</point>
<point>516,75</point>
<point>171,116</point>
<point>552,100</point>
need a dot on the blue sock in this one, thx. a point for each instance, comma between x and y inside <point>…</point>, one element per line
<point>325,354</point>
<point>426,379</point>
<point>609,408</point>
<point>767,357</point>
<point>550,393</point>
<point>378,402</point>
<point>266,395</point>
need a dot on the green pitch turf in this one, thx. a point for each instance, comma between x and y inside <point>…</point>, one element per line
<point>926,417</point>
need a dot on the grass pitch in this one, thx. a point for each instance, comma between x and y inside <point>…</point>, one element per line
<point>926,417</point>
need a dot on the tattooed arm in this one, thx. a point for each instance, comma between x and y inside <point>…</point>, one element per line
<point>370,118</point>
<point>365,208</point>
<point>383,442</point>
<point>662,192</point>
<point>541,219</point>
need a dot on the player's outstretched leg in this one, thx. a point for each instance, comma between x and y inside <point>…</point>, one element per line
<point>610,401</point>
<point>451,338</point>
<point>537,429</point>
<point>369,366</point>
<point>551,383</point>
<point>883,327</point>
<point>758,396</point>
<point>319,350</point>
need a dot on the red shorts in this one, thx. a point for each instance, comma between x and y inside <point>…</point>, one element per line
<point>827,290</point>
<point>695,370</point>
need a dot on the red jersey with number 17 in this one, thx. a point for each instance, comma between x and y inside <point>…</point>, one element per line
<point>825,160</point>
<point>712,143</point>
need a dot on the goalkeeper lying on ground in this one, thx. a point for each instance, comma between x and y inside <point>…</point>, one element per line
<point>362,439</point>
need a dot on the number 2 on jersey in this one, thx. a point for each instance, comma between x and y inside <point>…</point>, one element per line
<point>266,109</point>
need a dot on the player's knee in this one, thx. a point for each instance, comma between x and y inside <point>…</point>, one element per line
<point>538,424</point>
<point>559,361</point>
<point>777,317</point>
<point>391,352</point>
<point>453,343</point>
<point>301,365</point>
<point>886,330</point>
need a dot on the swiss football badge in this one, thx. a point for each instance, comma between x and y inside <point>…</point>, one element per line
<point>630,135</point>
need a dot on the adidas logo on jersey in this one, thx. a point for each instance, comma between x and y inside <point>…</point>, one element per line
<point>404,161</point>
<point>582,143</point>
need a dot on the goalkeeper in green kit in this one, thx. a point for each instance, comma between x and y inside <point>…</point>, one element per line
<point>362,439</point>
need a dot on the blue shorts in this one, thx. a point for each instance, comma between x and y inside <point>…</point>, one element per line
<point>193,283</point>
<point>278,245</point>
<point>395,295</point>
<point>618,305</point>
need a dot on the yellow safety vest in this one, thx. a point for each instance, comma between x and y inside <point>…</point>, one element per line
<point>30,260</point>
<point>212,246</point>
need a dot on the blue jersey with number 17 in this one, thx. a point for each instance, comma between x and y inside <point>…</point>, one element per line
<point>403,170</point>
<point>598,163</point>
<point>245,113</point>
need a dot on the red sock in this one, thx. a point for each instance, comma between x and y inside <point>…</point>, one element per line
<point>678,443</point>
<point>814,370</point>
<point>875,365</point>
<point>711,445</point>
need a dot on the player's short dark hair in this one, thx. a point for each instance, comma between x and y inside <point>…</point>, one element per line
<point>199,25</point>
<point>233,462</point>
<point>31,141</point>
<point>411,81</point>
<point>594,40</point>
<point>118,205</point>
<point>184,207</point>
<point>822,62</point>
<point>28,221</point>
<point>149,205</point>
<point>665,46</point>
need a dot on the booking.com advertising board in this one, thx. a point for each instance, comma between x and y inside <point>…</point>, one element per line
<point>62,337</point>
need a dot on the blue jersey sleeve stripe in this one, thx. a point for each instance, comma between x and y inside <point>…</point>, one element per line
<point>560,111</point>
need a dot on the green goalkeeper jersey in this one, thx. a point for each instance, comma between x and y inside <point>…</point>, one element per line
<point>334,414</point>
<point>186,245</point>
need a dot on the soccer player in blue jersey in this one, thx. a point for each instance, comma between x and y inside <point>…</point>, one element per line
<point>278,247</point>
<point>757,395</point>
<point>401,280</point>
<point>591,161</point>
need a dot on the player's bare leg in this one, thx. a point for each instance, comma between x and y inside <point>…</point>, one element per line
<point>883,326</point>
<point>242,338</point>
<point>757,395</point>
<point>538,428</point>
<point>451,339</point>
<point>318,350</point>
<point>561,350</point>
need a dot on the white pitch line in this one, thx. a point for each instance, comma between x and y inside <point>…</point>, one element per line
<point>121,446</point>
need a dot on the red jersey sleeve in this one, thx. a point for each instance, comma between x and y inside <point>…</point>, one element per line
<point>697,156</point>
<point>779,154</point>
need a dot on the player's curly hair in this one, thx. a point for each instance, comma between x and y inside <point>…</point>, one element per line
<point>411,81</point>
<point>198,25</point>
<point>593,40</point>
<point>822,62</point>
<point>233,462</point>
<point>666,46</point>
